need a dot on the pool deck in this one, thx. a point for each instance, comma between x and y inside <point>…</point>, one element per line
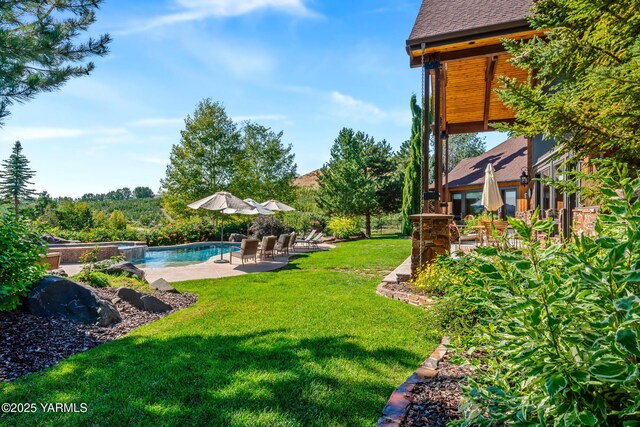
<point>209,269</point>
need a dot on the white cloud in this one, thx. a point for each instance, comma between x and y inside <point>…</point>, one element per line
<point>26,133</point>
<point>198,10</point>
<point>357,110</point>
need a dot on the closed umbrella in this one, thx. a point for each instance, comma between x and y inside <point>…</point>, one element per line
<point>225,203</point>
<point>275,205</point>
<point>491,198</point>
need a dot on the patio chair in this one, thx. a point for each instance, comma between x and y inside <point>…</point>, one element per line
<point>468,237</point>
<point>248,250</point>
<point>305,240</point>
<point>282,245</point>
<point>266,247</point>
<point>292,241</point>
<point>494,232</point>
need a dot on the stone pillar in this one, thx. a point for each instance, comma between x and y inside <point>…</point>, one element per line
<point>435,238</point>
<point>584,220</point>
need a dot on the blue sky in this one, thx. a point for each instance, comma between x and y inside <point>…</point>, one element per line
<point>307,67</point>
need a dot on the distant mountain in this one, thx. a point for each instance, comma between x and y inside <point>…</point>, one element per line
<point>308,180</point>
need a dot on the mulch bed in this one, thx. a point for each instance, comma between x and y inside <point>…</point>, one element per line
<point>403,287</point>
<point>436,400</point>
<point>29,343</point>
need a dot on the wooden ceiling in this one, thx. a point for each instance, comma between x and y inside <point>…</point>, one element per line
<point>470,74</point>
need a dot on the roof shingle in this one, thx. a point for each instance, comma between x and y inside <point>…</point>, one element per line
<point>508,159</point>
<point>443,19</point>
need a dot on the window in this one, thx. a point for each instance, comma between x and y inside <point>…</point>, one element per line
<point>471,203</point>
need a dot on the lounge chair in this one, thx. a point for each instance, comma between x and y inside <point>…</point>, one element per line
<point>315,240</point>
<point>282,245</point>
<point>292,241</point>
<point>267,246</point>
<point>248,250</point>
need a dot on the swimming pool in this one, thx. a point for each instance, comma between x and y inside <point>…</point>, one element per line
<point>184,255</point>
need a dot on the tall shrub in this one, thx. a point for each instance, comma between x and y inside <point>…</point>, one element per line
<point>20,249</point>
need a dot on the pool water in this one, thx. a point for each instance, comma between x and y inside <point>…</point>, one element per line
<point>159,258</point>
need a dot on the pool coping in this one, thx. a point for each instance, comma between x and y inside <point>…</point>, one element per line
<point>190,245</point>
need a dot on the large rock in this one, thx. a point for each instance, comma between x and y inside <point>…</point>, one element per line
<point>142,301</point>
<point>57,240</point>
<point>163,286</point>
<point>125,268</point>
<point>55,296</point>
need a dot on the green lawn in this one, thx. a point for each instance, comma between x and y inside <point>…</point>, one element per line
<point>308,345</point>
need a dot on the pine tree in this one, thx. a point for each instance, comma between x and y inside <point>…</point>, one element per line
<point>587,78</point>
<point>14,178</point>
<point>37,46</point>
<point>359,178</point>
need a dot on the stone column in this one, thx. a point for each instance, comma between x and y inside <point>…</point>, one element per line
<point>435,238</point>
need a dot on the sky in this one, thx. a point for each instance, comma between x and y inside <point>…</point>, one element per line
<point>305,67</point>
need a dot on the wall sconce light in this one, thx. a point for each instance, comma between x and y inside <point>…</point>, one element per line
<point>524,178</point>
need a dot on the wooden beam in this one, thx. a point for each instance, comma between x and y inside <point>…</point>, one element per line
<point>425,138</point>
<point>490,73</point>
<point>437,137</point>
<point>459,55</point>
<point>472,127</point>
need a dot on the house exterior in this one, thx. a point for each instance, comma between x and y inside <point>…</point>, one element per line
<point>466,179</point>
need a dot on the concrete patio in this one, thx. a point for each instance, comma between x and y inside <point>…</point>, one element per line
<point>211,270</point>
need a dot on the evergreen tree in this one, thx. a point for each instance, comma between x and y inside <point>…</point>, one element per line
<point>462,146</point>
<point>142,193</point>
<point>266,168</point>
<point>38,52</point>
<point>14,178</point>
<point>204,162</point>
<point>587,75</point>
<point>358,179</point>
<point>412,191</point>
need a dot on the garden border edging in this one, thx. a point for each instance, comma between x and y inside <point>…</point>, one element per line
<point>395,411</point>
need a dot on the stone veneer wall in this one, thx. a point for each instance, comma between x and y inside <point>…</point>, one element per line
<point>435,238</point>
<point>73,254</point>
<point>584,220</point>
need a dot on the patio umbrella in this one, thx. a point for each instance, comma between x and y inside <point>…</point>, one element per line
<point>491,198</point>
<point>259,209</point>
<point>225,203</point>
<point>275,205</point>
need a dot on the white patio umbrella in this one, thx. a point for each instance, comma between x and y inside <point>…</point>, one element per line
<point>225,203</point>
<point>275,205</point>
<point>259,209</point>
<point>491,198</point>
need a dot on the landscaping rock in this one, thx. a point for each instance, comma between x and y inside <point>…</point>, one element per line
<point>154,305</point>
<point>236,237</point>
<point>163,286</point>
<point>55,296</point>
<point>125,268</point>
<point>131,296</point>
<point>56,240</point>
<point>142,301</point>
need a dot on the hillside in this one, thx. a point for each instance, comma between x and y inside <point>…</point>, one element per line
<point>308,180</point>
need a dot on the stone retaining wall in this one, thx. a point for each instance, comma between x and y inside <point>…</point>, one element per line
<point>73,254</point>
<point>418,300</point>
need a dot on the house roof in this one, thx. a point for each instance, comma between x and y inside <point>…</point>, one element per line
<point>508,159</point>
<point>442,20</point>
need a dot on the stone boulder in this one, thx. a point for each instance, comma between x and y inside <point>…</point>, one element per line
<point>58,272</point>
<point>163,286</point>
<point>125,268</point>
<point>55,296</point>
<point>56,240</point>
<point>142,301</point>
<point>236,237</point>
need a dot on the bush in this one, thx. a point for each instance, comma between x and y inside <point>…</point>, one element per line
<point>343,228</point>
<point>117,221</point>
<point>97,279</point>
<point>267,225</point>
<point>563,323</point>
<point>303,222</point>
<point>20,249</point>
